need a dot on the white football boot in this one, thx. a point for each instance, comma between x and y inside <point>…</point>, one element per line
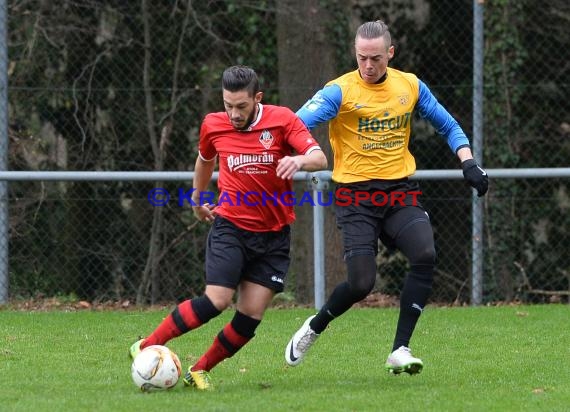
<point>401,360</point>
<point>300,343</point>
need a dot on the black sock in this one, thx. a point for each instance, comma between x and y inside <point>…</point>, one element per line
<point>361,273</point>
<point>412,302</point>
<point>339,302</point>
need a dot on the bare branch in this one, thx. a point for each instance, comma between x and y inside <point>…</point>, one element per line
<point>530,289</point>
<point>91,65</point>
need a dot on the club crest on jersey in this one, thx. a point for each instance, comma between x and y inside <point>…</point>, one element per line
<point>266,139</point>
<point>404,99</point>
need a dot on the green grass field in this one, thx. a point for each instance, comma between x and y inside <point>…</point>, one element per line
<point>510,358</point>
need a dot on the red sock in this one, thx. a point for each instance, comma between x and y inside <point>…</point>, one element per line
<point>181,320</point>
<point>220,351</point>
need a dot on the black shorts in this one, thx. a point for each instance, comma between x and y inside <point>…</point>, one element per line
<point>235,254</point>
<point>390,207</point>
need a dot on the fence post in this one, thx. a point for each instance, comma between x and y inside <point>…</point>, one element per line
<point>319,184</point>
<point>477,204</point>
<point>4,224</point>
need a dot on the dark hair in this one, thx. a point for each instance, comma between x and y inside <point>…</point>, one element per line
<point>374,30</point>
<point>238,78</point>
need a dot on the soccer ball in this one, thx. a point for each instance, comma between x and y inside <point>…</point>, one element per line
<point>156,367</point>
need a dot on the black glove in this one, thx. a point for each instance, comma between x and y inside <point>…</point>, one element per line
<point>475,176</point>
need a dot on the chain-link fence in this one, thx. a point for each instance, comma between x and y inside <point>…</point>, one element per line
<point>123,86</point>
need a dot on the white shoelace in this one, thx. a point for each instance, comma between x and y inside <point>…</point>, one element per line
<point>306,341</point>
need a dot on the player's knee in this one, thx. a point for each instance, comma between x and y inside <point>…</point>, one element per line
<point>416,242</point>
<point>423,264</point>
<point>424,256</point>
<point>221,297</point>
<point>221,302</point>
<point>361,275</point>
<point>422,268</point>
<point>359,290</point>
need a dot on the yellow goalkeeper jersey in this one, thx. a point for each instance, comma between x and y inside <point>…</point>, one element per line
<point>370,124</point>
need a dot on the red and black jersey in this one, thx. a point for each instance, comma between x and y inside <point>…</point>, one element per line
<point>250,191</point>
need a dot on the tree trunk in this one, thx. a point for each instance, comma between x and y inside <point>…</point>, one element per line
<point>151,274</point>
<point>306,63</point>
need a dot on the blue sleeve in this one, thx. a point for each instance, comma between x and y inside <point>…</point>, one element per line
<point>322,107</point>
<point>430,109</point>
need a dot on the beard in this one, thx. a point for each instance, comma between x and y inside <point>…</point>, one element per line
<point>247,122</point>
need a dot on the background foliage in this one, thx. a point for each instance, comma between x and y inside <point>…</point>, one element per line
<point>123,86</point>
